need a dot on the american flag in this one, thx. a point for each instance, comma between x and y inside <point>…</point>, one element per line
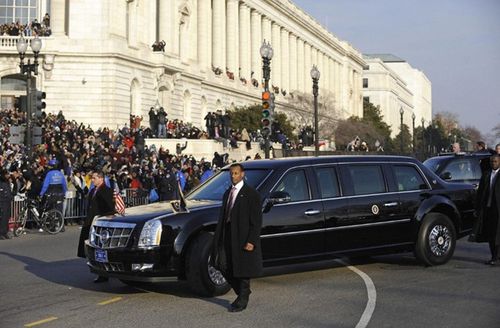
<point>119,204</point>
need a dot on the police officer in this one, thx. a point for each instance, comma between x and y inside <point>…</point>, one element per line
<point>54,187</point>
<point>167,184</point>
<point>5,204</point>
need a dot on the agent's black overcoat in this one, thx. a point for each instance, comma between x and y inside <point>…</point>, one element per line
<point>488,222</point>
<point>246,223</point>
<point>99,203</point>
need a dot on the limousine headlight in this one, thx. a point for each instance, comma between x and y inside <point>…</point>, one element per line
<point>151,234</point>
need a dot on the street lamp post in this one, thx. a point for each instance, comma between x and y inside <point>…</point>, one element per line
<point>423,139</point>
<point>413,132</point>
<point>27,69</point>
<point>401,113</point>
<point>266,52</point>
<point>315,75</point>
<point>430,139</point>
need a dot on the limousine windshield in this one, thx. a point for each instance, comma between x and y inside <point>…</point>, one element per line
<point>214,189</point>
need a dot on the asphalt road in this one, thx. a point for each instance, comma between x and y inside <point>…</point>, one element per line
<point>44,284</point>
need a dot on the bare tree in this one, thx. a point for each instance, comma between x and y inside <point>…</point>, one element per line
<point>301,109</point>
<point>449,121</point>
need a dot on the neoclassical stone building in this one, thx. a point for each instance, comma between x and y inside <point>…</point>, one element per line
<point>393,84</point>
<point>99,67</point>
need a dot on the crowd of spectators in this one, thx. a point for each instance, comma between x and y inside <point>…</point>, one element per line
<point>121,154</point>
<point>30,29</point>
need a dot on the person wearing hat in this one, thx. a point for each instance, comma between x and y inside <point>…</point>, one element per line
<point>167,184</point>
<point>54,187</point>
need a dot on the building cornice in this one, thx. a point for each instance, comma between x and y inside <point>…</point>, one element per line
<point>303,22</point>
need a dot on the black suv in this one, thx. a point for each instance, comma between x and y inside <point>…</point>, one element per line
<point>461,167</point>
<point>314,208</point>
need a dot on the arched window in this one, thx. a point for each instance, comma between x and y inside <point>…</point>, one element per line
<point>187,106</point>
<point>22,11</point>
<point>184,39</point>
<point>11,86</point>
<point>218,105</point>
<point>164,97</point>
<point>204,111</point>
<point>135,98</point>
<point>131,21</point>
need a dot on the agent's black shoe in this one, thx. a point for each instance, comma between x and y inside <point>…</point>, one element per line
<point>100,279</point>
<point>236,301</point>
<point>490,262</point>
<point>237,307</point>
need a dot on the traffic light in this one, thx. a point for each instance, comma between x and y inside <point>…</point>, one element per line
<point>37,102</point>
<point>21,103</point>
<point>267,112</point>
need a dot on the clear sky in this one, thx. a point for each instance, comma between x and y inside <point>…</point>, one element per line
<point>456,43</point>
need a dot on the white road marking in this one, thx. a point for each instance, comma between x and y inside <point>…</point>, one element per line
<point>372,295</point>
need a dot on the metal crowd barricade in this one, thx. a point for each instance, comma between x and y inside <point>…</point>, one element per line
<point>75,206</point>
<point>135,197</point>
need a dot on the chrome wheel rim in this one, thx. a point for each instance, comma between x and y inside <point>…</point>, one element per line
<point>215,275</point>
<point>440,240</point>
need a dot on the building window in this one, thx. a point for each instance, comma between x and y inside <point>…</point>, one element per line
<point>366,68</point>
<point>23,11</point>
<point>365,83</point>
<point>366,100</point>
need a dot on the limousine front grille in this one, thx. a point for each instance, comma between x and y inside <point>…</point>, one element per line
<point>107,235</point>
<point>109,267</point>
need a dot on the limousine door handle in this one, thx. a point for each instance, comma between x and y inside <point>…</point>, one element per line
<point>311,212</point>
<point>392,204</point>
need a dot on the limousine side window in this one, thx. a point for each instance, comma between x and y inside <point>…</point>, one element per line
<point>366,179</point>
<point>295,184</point>
<point>464,170</point>
<point>328,182</point>
<point>408,178</point>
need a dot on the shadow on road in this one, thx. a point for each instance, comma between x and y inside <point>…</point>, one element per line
<point>71,273</point>
<point>74,273</point>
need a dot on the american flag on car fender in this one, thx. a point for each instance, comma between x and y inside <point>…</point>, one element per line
<point>119,204</point>
<point>180,204</point>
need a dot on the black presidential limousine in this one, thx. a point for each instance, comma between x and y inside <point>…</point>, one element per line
<point>314,208</point>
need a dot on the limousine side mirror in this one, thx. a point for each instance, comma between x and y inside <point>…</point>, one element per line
<point>277,197</point>
<point>446,176</point>
<point>280,197</point>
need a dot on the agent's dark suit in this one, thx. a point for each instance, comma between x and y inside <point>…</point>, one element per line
<point>245,221</point>
<point>100,202</point>
<point>489,213</point>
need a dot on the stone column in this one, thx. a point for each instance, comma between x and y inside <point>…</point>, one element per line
<point>58,17</point>
<point>314,56</point>
<point>285,60</point>
<point>301,68</point>
<point>256,44</point>
<point>338,84</point>
<point>293,59</point>
<point>245,42</point>
<point>307,69</point>
<point>267,30</point>
<point>218,34</point>
<point>331,87</point>
<point>276,61</point>
<point>324,63</point>
<point>232,36</point>
<point>204,31</point>
<point>321,68</point>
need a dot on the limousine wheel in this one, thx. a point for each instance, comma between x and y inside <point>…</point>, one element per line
<point>203,278</point>
<point>436,240</point>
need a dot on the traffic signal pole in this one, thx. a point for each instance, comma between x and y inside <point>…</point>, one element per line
<point>267,74</point>
<point>29,113</point>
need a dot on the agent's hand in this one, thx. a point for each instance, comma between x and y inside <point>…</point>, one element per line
<point>249,247</point>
